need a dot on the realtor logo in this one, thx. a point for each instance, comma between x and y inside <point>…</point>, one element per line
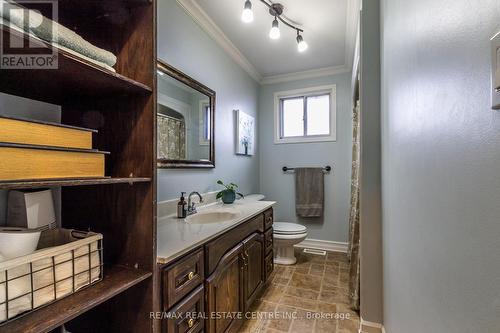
<point>26,23</point>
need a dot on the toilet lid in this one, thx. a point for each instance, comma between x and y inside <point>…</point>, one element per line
<point>285,228</point>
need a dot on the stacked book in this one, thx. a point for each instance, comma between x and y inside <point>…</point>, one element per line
<point>31,150</point>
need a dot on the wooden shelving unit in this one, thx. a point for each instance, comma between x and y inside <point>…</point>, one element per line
<point>121,206</point>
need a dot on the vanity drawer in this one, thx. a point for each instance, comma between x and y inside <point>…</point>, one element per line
<point>269,264</point>
<point>216,248</point>
<point>182,277</point>
<point>268,219</point>
<point>268,235</point>
<point>187,315</point>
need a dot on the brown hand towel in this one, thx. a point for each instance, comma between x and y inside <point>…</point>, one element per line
<point>309,192</point>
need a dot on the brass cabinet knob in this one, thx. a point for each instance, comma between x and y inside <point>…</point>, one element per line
<point>190,322</point>
<point>190,275</point>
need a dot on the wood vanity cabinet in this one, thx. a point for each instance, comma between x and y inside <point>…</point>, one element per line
<point>236,266</point>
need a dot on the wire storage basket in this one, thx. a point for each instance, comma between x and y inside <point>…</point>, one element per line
<point>65,262</point>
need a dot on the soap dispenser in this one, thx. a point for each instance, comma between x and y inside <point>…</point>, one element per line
<point>182,207</point>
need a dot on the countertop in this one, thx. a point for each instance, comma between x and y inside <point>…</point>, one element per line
<point>176,237</point>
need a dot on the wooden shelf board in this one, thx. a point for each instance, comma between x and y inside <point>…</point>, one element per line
<point>69,182</point>
<point>116,280</point>
<point>74,77</point>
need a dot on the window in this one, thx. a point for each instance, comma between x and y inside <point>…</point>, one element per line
<point>205,122</point>
<point>306,115</point>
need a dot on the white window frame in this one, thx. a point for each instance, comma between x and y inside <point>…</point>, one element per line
<point>312,91</point>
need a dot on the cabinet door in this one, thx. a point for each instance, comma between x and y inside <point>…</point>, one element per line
<point>225,293</point>
<point>253,266</point>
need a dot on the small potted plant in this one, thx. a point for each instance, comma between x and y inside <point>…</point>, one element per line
<point>228,194</point>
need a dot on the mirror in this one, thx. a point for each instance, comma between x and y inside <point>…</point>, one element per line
<point>185,120</point>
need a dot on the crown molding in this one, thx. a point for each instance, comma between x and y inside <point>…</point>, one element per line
<point>209,26</point>
<point>309,74</point>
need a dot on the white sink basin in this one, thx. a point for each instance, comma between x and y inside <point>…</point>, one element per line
<point>213,216</point>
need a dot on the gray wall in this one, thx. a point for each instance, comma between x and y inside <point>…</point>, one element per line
<point>183,44</point>
<point>281,187</point>
<point>441,163</point>
<point>370,187</point>
<point>25,108</point>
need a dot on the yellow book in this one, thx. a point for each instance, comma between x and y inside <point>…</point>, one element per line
<point>15,130</point>
<point>29,162</point>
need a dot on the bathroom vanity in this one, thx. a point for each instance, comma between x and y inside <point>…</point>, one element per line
<point>214,269</point>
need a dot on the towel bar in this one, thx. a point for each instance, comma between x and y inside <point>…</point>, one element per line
<point>325,169</point>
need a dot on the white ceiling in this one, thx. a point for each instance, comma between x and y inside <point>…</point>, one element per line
<point>329,29</point>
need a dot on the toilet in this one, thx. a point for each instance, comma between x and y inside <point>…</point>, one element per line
<point>286,235</point>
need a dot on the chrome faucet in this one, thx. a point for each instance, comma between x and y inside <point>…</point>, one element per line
<point>191,205</point>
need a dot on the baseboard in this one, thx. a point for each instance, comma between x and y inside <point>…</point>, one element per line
<point>370,327</point>
<point>323,245</point>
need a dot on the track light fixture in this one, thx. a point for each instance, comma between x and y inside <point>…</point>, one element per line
<point>275,10</point>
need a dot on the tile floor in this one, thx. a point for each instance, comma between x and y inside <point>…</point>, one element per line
<point>309,297</point>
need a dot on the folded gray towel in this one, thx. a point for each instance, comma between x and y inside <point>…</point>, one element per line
<point>309,192</point>
<point>72,40</point>
<point>43,28</point>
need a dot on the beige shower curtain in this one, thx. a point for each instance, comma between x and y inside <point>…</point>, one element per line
<point>171,138</point>
<point>353,252</point>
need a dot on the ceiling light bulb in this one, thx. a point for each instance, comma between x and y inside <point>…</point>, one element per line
<point>301,44</point>
<point>274,33</point>
<point>247,15</point>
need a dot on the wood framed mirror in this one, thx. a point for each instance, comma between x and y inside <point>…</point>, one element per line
<point>185,120</point>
